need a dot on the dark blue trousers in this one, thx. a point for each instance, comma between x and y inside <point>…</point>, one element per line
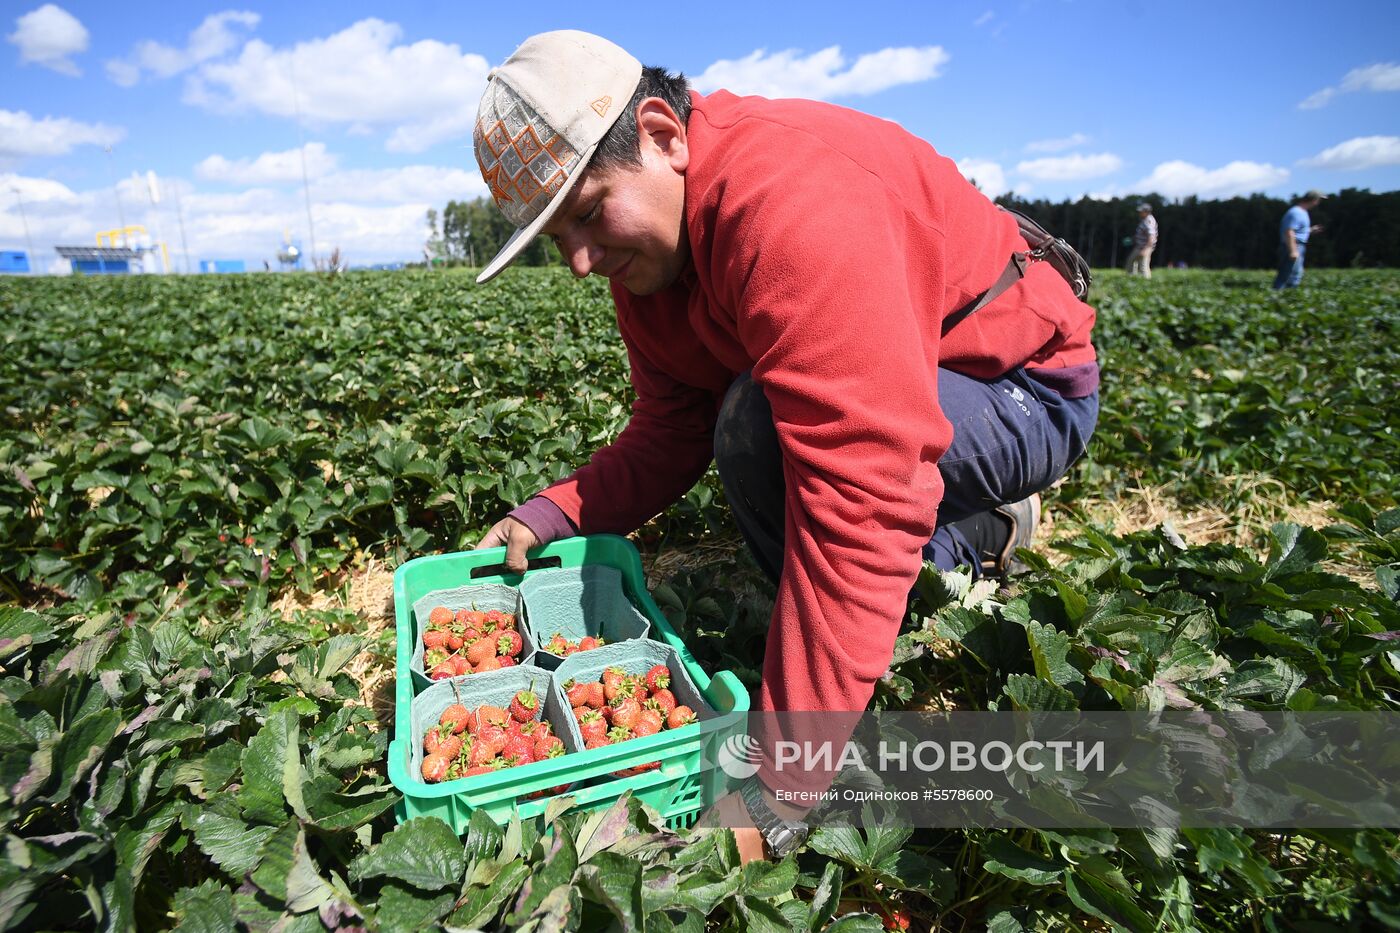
<point>1012,437</point>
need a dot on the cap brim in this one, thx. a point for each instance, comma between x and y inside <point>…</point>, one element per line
<point>522,237</point>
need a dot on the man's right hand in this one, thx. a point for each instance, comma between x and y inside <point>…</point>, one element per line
<point>517,538</point>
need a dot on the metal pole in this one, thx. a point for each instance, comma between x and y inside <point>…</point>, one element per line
<point>180,214</point>
<point>121,215</point>
<point>28,243</point>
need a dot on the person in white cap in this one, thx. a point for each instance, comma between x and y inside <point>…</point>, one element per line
<point>1144,242</point>
<point>792,281</point>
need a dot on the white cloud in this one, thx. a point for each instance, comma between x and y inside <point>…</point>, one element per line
<point>987,175</point>
<point>1071,167</point>
<point>1058,145</point>
<point>1178,179</point>
<point>210,39</point>
<point>1381,77</point>
<point>21,135</point>
<point>1384,76</point>
<point>1359,153</point>
<point>363,76</point>
<point>820,76</point>
<point>411,183</point>
<point>48,36</point>
<point>984,19</point>
<point>33,190</point>
<point>268,168</point>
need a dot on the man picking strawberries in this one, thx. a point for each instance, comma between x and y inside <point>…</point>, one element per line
<point>791,281</point>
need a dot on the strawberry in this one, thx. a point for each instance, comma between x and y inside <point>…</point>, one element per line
<point>506,661</point>
<point>619,734</point>
<point>557,645</point>
<point>433,658</point>
<point>664,699</point>
<point>458,717</point>
<point>521,749</point>
<point>441,740</point>
<point>477,769</point>
<point>434,638</point>
<point>897,919</point>
<point>649,722</point>
<point>576,692</point>
<point>466,617</point>
<point>625,712</point>
<point>592,725</point>
<point>440,616</point>
<point>596,741</point>
<point>480,650</point>
<point>435,768</point>
<point>530,728</point>
<point>508,644</point>
<point>658,678</point>
<point>680,716</point>
<point>480,753</point>
<point>461,665</point>
<point>548,746</point>
<point>491,736</point>
<point>588,643</point>
<point>443,671</point>
<point>454,641</point>
<point>596,695</point>
<point>524,705</point>
<point>494,715</point>
<point>490,664</point>
<point>639,769</point>
<point>612,682</point>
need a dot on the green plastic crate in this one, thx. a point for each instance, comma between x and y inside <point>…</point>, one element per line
<point>481,596</point>
<point>680,789</point>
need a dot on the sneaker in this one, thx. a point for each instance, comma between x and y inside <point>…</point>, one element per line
<point>1023,517</point>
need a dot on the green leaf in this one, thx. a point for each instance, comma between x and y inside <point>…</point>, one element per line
<point>232,844</point>
<point>205,909</point>
<point>1003,857</point>
<point>1101,900</point>
<point>557,872</point>
<point>403,909</point>
<point>843,843</point>
<point>1032,693</point>
<point>482,903</point>
<point>615,882</point>
<point>764,879</point>
<point>857,923</point>
<point>1050,651</point>
<point>78,749</point>
<point>423,852</point>
<point>1293,549</point>
<point>826,896</point>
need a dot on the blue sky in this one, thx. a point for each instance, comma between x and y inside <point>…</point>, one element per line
<point>1050,98</point>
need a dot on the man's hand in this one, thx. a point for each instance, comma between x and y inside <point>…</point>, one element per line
<point>517,538</point>
<point>1316,228</point>
<point>730,811</point>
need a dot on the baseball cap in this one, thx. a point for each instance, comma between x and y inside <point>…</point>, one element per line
<point>542,116</point>
<point>1314,195</point>
<point>1144,206</point>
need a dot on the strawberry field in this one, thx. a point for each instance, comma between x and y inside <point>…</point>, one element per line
<point>191,735</point>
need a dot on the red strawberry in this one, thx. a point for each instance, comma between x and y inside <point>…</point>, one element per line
<point>493,714</point>
<point>480,650</point>
<point>612,682</point>
<point>680,716</point>
<point>557,644</point>
<point>477,769</point>
<point>524,705</point>
<point>458,717</point>
<point>658,678</point>
<point>596,695</point>
<point>592,725</point>
<point>440,616</point>
<point>443,671</point>
<point>490,664</point>
<point>519,748</point>
<point>548,746</point>
<point>433,657</point>
<point>434,638</point>
<point>435,768</point>
<point>506,661</point>
<point>454,641</point>
<point>480,753</point>
<point>577,693</point>
<point>639,769</point>
<point>649,722</point>
<point>465,617</point>
<point>508,644</point>
<point>441,740</point>
<point>619,734</point>
<point>664,699</point>
<point>625,712</point>
<point>588,643</point>
<point>596,741</point>
<point>491,736</point>
<point>897,919</point>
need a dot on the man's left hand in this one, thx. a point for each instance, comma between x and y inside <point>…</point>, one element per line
<point>730,811</point>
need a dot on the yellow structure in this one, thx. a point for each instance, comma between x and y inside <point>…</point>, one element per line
<point>121,236</point>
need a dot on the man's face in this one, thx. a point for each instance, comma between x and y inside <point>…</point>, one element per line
<point>626,224</point>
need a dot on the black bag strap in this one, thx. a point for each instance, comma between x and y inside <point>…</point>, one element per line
<point>1043,247</point>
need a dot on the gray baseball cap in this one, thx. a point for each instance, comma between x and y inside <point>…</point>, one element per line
<point>542,116</point>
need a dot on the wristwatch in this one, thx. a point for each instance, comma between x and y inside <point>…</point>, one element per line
<point>782,836</point>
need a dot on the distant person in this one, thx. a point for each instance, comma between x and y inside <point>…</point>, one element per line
<point>1144,242</point>
<point>1293,233</point>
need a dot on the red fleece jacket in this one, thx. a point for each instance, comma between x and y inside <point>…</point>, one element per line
<point>827,248</point>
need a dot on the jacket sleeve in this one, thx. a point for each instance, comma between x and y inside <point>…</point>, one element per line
<point>663,451</point>
<point>824,286</point>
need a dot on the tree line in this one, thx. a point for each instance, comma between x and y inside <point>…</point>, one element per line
<point>1361,229</point>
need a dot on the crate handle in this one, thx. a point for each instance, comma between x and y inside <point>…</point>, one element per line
<point>499,570</point>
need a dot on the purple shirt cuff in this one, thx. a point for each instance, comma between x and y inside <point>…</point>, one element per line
<point>545,519</point>
<point>1070,381</point>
